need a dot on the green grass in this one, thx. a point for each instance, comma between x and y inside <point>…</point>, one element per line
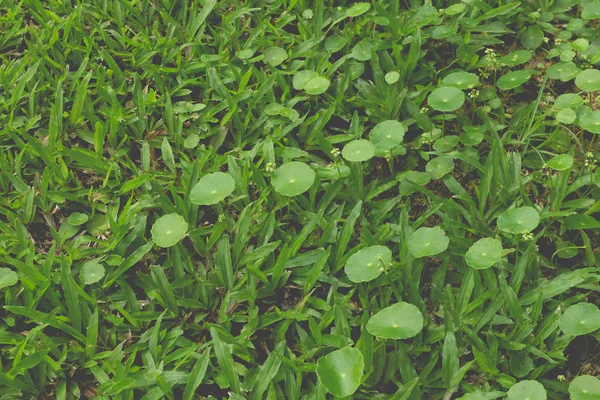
<point>299,199</point>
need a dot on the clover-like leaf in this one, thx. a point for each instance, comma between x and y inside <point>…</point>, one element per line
<point>8,277</point>
<point>334,43</point>
<point>588,80</point>
<point>362,50</point>
<point>410,179</point>
<point>580,319</point>
<point>168,230</point>
<point>519,220</point>
<point>78,218</point>
<point>191,141</point>
<point>461,80</point>
<point>585,387</point>
<point>358,150</point>
<point>387,134</point>
<point>484,253</point>
<point>446,98</point>
<point>212,188</point>
<point>473,135</point>
<point>568,100</point>
<point>590,10</point>
<point>516,58</point>
<point>368,263</point>
<point>341,371</point>
<point>275,55</point>
<point>302,77</point>
<point>91,272</point>
<point>531,390</point>
<point>446,143</point>
<point>514,79</point>
<point>564,71</point>
<point>566,116</point>
<point>560,162</point>
<point>590,121</point>
<point>392,77</point>
<point>425,242</point>
<point>293,178</point>
<point>398,321</point>
<point>439,166</point>
<point>317,85</point>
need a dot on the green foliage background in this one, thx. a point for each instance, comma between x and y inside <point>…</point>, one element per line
<point>112,111</point>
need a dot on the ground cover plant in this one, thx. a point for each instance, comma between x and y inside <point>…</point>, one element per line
<point>292,199</point>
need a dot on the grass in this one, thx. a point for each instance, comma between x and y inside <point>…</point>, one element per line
<point>299,199</point>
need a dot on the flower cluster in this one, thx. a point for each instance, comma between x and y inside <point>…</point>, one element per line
<point>590,160</point>
<point>493,62</point>
<point>526,236</point>
<point>270,167</point>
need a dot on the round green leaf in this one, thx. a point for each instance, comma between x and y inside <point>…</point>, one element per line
<point>358,150</point>
<point>245,54</point>
<point>473,135</point>
<point>411,178</point>
<point>439,166</point>
<point>275,55</point>
<point>484,253</point>
<point>580,319</point>
<point>516,58</point>
<point>168,230</point>
<point>8,277</point>
<point>591,10</point>
<point>446,143</point>
<point>357,9</point>
<point>91,272</point>
<point>302,77</point>
<point>590,121</point>
<point>362,50</point>
<point>527,390</point>
<point>519,220</point>
<point>568,100</point>
<point>398,321</point>
<point>461,80</point>
<point>212,188</point>
<point>192,141</point>
<point>334,43</point>
<point>78,218</point>
<point>566,116</point>
<point>368,263</point>
<point>387,134</point>
<point>513,79</point>
<point>392,77</point>
<point>293,178</point>
<point>317,85</point>
<point>560,162</point>
<point>425,242</point>
<point>445,99</point>
<point>588,80</point>
<point>585,387</point>
<point>341,371</point>
<point>273,109</point>
<point>580,44</point>
<point>565,71</point>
